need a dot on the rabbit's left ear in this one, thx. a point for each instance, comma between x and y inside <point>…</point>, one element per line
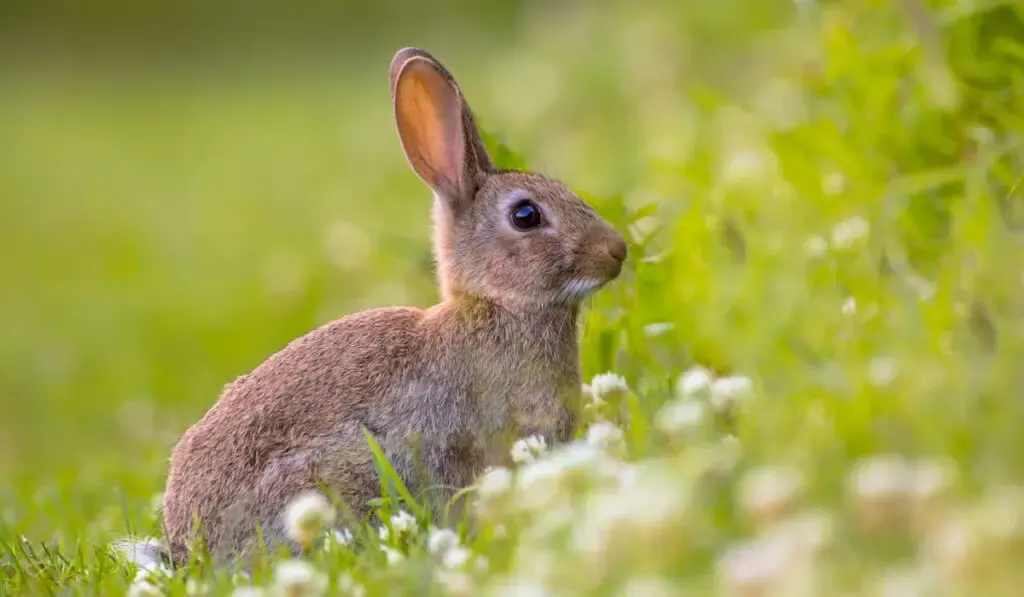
<point>436,127</point>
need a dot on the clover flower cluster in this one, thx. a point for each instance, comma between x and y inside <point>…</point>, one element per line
<point>607,511</point>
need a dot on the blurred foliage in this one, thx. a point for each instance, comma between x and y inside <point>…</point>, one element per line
<point>825,196</point>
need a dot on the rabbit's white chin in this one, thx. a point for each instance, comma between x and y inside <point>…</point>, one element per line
<point>575,290</point>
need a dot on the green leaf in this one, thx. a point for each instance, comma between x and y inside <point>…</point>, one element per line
<point>391,482</point>
<point>501,154</point>
<point>644,211</point>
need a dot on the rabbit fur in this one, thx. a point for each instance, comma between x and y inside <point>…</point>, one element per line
<point>443,390</point>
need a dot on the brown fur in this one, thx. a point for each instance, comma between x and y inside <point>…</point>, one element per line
<point>498,357</point>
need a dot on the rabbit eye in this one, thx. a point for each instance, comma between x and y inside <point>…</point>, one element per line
<point>525,215</point>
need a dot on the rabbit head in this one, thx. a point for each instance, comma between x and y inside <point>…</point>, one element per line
<point>518,239</point>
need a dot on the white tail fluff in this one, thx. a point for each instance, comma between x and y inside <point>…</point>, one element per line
<point>147,554</point>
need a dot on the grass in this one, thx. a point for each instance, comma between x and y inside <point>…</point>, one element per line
<point>827,204</point>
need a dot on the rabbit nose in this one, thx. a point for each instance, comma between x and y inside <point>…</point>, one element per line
<point>616,247</point>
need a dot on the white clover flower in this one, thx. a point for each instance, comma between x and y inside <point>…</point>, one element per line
<point>306,517</point>
<point>880,487</point>
<point>527,449</point>
<point>607,437</point>
<point>981,135</point>
<point>766,492</point>
<point>729,452</point>
<point>882,476</point>
<point>145,554</point>
<point>568,466</point>
<point>248,591</point>
<point>550,521</point>
<point>577,455</point>
<point>441,540</point>
<point>403,522</point>
<point>953,546</point>
<point>149,580</point>
<point>348,586</point>
<point>924,288</point>
<point>455,582</point>
<point>595,405</point>
<point>341,537</point>
<point>932,479</point>
<point>653,330</point>
<point>626,476</point>
<point>694,381</point>
<point>758,566</point>
<point>930,489</point>
<point>833,183</point>
<point>751,163</point>
<point>641,514</point>
<point>606,385</point>
<point>727,391</point>
<point>151,570</point>
<point>849,306</point>
<point>849,232</point>
<point>456,557</point>
<point>881,371</point>
<point>393,555</point>
<point>680,416</point>
<point>809,531</point>
<point>495,481</point>
<point>539,483</point>
<point>535,561</point>
<point>815,246</point>
<point>196,587</point>
<point>582,461</point>
<point>144,588</point>
<point>296,578</point>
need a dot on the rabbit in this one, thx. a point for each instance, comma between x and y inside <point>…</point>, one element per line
<point>442,389</point>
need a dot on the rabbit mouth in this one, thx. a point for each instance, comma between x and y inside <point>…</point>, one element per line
<point>577,289</point>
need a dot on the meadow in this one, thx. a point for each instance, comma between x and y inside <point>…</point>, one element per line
<point>805,382</point>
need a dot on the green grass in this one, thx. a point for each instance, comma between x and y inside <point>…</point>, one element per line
<point>827,202</point>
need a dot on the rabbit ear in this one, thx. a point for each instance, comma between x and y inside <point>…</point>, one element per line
<point>402,57</point>
<point>436,127</point>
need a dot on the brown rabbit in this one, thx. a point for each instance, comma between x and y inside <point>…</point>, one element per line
<point>442,389</point>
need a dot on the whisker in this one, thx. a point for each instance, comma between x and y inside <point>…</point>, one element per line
<point>575,290</point>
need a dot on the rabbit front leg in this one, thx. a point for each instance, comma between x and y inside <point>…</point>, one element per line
<point>551,413</point>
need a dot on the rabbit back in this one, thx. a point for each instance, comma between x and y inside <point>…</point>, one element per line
<point>294,423</point>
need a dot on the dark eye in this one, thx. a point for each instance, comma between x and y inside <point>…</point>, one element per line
<point>525,215</point>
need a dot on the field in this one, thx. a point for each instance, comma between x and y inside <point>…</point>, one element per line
<point>806,381</point>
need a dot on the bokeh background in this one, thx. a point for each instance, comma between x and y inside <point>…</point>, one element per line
<point>186,186</point>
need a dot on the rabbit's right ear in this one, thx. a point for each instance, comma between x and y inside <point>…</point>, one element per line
<point>435,127</point>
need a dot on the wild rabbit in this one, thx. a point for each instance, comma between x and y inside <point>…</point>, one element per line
<point>442,389</point>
